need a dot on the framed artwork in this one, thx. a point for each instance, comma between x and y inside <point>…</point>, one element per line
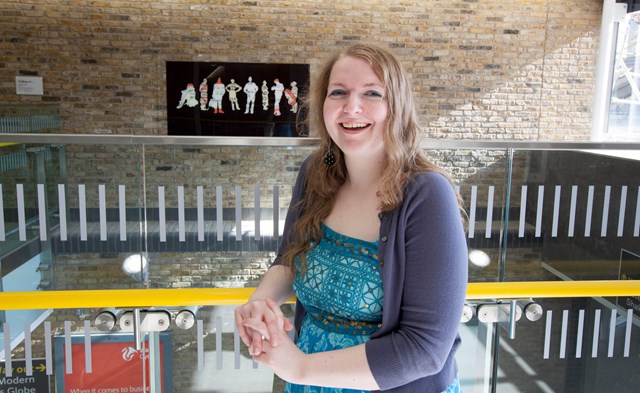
<point>235,99</point>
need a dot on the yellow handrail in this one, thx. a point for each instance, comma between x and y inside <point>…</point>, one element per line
<point>142,298</point>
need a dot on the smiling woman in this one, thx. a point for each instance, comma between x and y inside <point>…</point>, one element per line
<point>373,247</point>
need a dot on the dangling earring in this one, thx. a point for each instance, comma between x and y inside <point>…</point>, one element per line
<point>329,157</point>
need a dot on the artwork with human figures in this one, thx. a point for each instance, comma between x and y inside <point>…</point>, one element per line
<point>235,99</point>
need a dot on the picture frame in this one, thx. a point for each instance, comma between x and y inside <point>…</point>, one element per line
<point>235,99</point>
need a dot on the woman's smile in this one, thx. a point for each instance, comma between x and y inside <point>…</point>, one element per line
<point>354,127</point>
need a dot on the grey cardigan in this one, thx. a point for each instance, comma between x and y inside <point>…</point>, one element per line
<point>423,258</point>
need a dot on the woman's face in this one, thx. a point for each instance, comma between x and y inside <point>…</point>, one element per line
<point>355,109</point>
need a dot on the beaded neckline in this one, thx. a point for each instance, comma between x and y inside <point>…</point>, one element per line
<point>331,234</point>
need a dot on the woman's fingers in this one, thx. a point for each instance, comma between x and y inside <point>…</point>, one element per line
<point>256,343</point>
<point>288,326</point>
<point>250,337</point>
<point>239,321</point>
<point>257,326</point>
<point>258,321</point>
<point>259,333</point>
<point>275,325</point>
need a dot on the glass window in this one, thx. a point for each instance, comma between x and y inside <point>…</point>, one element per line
<point>624,110</point>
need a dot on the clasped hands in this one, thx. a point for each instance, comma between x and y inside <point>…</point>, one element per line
<point>263,329</point>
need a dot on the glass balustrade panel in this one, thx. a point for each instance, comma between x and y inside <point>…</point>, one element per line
<point>577,345</point>
<point>215,214</point>
<point>198,349</point>
<point>577,211</point>
<point>480,177</point>
<point>177,349</point>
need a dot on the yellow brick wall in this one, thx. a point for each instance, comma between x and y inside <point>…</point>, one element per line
<point>500,69</point>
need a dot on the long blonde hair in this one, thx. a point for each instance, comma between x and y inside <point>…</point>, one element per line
<point>403,155</point>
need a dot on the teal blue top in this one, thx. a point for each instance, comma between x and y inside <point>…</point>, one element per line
<point>341,290</point>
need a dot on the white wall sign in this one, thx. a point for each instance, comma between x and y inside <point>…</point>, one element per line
<point>29,85</point>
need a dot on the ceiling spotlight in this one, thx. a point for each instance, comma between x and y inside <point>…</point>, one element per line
<point>135,266</point>
<point>479,258</point>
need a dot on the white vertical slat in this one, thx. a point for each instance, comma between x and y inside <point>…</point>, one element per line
<point>622,211</point>
<point>219,217</point>
<point>238,214</point>
<point>67,348</point>
<point>580,334</point>
<point>523,210</point>
<point>627,334</point>
<point>612,332</point>
<point>82,205</point>
<point>605,211</point>
<point>2,235</point>
<point>8,367</point>
<point>122,212</point>
<point>88,359</point>
<point>276,212</point>
<point>48,348</point>
<point>62,208</point>
<point>42,212</point>
<point>589,214</point>
<point>596,334</point>
<point>256,211</point>
<point>636,227</point>
<point>181,221</point>
<point>563,335</point>
<point>539,211</point>
<point>200,343</point>
<point>556,211</point>
<point>472,212</point>
<point>489,223</point>
<point>485,374</point>
<point>102,203</point>
<point>547,334</point>
<point>22,225</point>
<point>236,348</point>
<point>200,203</point>
<point>162,220</point>
<point>219,343</point>
<point>28,354</point>
<point>572,212</point>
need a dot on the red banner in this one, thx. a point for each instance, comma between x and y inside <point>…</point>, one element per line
<point>117,367</point>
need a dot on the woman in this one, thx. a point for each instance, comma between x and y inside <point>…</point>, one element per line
<point>374,248</point>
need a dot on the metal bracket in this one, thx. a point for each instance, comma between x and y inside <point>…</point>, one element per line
<point>499,312</point>
<point>150,321</point>
<point>506,314</point>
